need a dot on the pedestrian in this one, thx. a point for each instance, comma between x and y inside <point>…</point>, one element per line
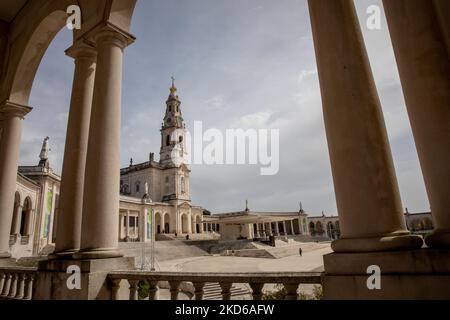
<point>300,251</point>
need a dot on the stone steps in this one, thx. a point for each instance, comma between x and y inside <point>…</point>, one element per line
<point>213,291</point>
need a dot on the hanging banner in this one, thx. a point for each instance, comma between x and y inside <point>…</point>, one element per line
<point>149,223</point>
<point>48,212</point>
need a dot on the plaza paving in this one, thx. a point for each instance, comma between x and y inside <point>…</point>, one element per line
<point>311,260</point>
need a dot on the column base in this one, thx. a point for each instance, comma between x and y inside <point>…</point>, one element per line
<point>97,254</point>
<point>63,255</point>
<point>439,239</point>
<point>405,275</point>
<point>392,242</point>
<point>52,279</point>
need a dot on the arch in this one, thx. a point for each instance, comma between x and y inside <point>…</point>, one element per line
<point>39,22</point>
<point>158,223</point>
<point>198,224</point>
<point>330,230</point>
<point>167,223</point>
<point>25,61</point>
<point>319,228</point>
<point>184,224</point>
<point>312,228</point>
<point>16,213</point>
<point>138,187</point>
<point>25,223</point>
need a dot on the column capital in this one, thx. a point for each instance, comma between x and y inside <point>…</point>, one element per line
<point>111,33</point>
<point>82,50</point>
<point>10,109</point>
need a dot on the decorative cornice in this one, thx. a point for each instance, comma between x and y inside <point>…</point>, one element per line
<point>10,109</point>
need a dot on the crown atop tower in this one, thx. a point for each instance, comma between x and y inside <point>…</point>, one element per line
<point>173,89</point>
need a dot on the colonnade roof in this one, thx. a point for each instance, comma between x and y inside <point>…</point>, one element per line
<point>248,217</point>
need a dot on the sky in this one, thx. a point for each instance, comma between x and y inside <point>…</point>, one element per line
<point>238,64</point>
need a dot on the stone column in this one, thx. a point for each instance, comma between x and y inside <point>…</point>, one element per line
<point>292,227</point>
<point>72,179</point>
<point>12,115</point>
<point>102,178</point>
<point>121,223</point>
<point>257,230</point>
<point>127,225</point>
<point>284,228</point>
<point>423,61</point>
<point>367,193</point>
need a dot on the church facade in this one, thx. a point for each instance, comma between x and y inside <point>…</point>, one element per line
<point>163,184</point>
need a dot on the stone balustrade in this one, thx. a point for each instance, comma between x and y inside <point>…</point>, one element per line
<point>17,283</point>
<point>290,281</point>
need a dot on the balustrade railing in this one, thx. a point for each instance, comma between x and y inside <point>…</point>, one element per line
<point>17,283</point>
<point>256,281</point>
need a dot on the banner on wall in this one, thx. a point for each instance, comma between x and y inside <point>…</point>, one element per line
<point>48,212</point>
<point>149,223</point>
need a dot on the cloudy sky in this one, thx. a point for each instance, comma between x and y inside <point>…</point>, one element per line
<point>238,64</point>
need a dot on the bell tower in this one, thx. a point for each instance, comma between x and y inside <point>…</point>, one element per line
<point>173,132</point>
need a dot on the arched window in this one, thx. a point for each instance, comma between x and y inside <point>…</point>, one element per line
<point>167,140</point>
<point>180,139</point>
<point>138,187</point>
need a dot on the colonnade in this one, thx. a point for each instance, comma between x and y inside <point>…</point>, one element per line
<point>89,203</point>
<point>366,187</point>
<point>266,229</point>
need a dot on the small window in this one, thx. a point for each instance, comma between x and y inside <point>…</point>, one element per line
<point>183,186</point>
<point>138,187</point>
<point>167,140</point>
<point>180,139</point>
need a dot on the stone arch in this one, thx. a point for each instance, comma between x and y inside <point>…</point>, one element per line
<point>40,21</point>
<point>26,57</point>
<point>198,224</point>
<point>16,213</point>
<point>319,228</point>
<point>159,225</point>
<point>330,229</point>
<point>25,226</point>
<point>167,224</point>
<point>312,228</point>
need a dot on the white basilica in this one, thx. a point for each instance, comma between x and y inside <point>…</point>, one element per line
<point>163,183</point>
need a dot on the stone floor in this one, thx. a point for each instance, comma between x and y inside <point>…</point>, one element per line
<point>311,260</point>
